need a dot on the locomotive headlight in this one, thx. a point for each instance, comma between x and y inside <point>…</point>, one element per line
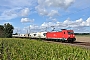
<point>73,35</point>
<point>68,35</point>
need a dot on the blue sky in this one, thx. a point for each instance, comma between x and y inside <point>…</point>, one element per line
<point>41,15</point>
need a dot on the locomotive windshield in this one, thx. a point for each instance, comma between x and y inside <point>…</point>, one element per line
<point>70,32</point>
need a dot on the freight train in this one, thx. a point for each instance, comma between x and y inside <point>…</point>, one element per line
<point>63,35</point>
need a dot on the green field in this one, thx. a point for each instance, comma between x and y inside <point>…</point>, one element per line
<point>26,49</point>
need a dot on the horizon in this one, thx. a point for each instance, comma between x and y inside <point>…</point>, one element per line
<point>44,15</point>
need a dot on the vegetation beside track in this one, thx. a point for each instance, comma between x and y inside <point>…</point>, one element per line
<point>26,49</point>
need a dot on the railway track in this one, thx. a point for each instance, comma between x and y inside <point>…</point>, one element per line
<point>76,43</point>
<point>82,43</point>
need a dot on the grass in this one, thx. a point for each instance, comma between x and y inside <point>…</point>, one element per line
<point>26,49</point>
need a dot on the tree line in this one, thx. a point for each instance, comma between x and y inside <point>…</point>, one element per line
<point>6,30</point>
<point>82,33</point>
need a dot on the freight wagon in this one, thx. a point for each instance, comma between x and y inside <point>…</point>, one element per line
<point>41,35</point>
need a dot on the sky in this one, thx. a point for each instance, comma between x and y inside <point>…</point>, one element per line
<point>44,15</point>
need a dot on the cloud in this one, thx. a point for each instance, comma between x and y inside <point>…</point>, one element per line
<point>41,10</point>
<point>79,24</point>
<point>26,20</point>
<point>53,13</point>
<point>88,22</point>
<point>32,28</point>
<point>17,30</point>
<point>14,13</point>
<point>8,14</point>
<point>50,8</point>
<point>45,12</point>
<point>49,24</point>
<point>56,3</point>
<point>14,9</point>
<point>25,12</point>
<point>14,3</point>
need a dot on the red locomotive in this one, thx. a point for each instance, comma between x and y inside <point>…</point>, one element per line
<point>64,35</point>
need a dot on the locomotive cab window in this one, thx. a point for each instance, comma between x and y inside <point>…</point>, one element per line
<point>70,33</point>
<point>64,32</point>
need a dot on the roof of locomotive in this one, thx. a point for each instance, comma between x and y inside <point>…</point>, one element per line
<point>60,31</point>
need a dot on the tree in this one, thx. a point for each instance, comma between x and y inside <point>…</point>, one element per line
<point>8,30</point>
<point>1,31</point>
